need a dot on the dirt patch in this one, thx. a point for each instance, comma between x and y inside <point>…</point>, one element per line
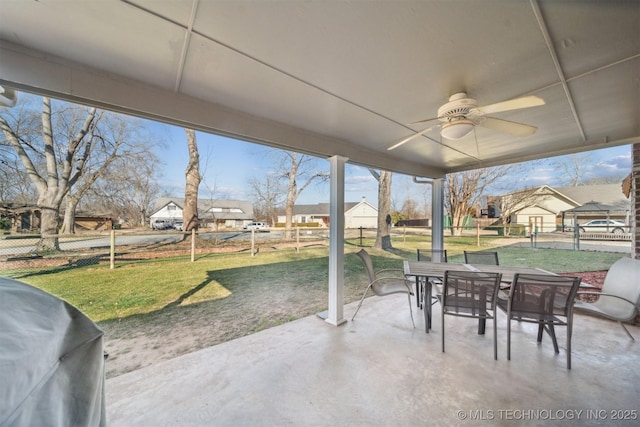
<point>142,340</point>
<point>251,305</point>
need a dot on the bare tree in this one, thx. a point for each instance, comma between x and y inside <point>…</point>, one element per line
<point>128,195</point>
<point>116,138</point>
<point>192,175</point>
<point>410,209</point>
<point>463,190</point>
<point>296,167</point>
<point>67,152</point>
<point>268,194</point>
<point>208,181</point>
<point>64,147</point>
<point>383,232</point>
<point>15,186</point>
<point>574,166</point>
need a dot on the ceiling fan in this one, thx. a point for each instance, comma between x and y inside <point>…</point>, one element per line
<point>461,115</point>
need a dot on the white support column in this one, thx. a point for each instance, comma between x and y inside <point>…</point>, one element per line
<point>336,242</point>
<point>437,213</point>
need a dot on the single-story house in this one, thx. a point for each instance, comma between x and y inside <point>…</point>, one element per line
<point>544,207</point>
<point>27,218</point>
<point>212,213</point>
<point>357,214</point>
<point>93,222</point>
<point>22,218</point>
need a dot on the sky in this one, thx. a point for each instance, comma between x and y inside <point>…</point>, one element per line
<point>228,165</point>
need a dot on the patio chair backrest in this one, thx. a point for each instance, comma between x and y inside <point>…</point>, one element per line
<point>432,255</point>
<point>481,257</point>
<point>623,280</point>
<point>469,293</point>
<point>543,296</point>
<point>368,264</point>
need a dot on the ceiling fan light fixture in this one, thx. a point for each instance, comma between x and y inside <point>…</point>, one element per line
<point>456,129</point>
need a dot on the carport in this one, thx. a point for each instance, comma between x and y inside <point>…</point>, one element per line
<point>594,210</point>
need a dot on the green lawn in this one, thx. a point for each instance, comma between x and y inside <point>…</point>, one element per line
<point>299,278</point>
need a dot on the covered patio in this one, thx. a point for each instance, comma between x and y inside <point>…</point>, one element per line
<point>471,84</point>
<point>378,370</point>
<point>345,81</point>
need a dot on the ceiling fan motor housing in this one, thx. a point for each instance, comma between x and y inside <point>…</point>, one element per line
<point>454,115</point>
<point>457,107</point>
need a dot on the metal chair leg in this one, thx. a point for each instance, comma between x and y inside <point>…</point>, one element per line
<point>411,311</point>
<point>627,331</point>
<point>569,332</point>
<point>495,335</point>
<point>360,303</point>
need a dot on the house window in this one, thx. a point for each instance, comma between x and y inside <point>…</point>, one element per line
<point>171,207</point>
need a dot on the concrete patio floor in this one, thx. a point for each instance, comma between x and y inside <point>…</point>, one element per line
<point>378,370</point>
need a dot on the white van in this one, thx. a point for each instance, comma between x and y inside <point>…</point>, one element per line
<point>258,226</point>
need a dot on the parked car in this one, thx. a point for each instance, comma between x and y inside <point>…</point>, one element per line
<point>603,226</point>
<point>161,224</point>
<point>177,225</point>
<point>258,226</point>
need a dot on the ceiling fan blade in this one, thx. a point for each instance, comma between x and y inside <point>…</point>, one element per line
<point>512,104</point>
<point>409,138</point>
<point>424,121</point>
<point>512,128</point>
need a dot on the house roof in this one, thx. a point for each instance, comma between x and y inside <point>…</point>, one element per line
<point>320,209</point>
<point>228,208</point>
<point>362,202</point>
<point>161,202</point>
<point>610,194</point>
<point>586,198</point>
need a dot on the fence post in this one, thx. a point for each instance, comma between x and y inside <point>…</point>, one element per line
<point>297,239</point>
<point>478,235</point>
<point>404,233</point>
<point>360,236</point>
<point>532,238</point>
<point>112,250</point>
<point>253,241</point>
<point>193,244</point>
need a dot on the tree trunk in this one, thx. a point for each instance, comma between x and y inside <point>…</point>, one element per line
<point>457,218</point>
<point>192,175</point>
<point>48,226</point>
<point>292,195</point>
<point>288,212</point>
<point>383,234</point>
<point>69,222</point>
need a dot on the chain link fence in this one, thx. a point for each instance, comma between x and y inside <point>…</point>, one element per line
<point>20,253</point>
